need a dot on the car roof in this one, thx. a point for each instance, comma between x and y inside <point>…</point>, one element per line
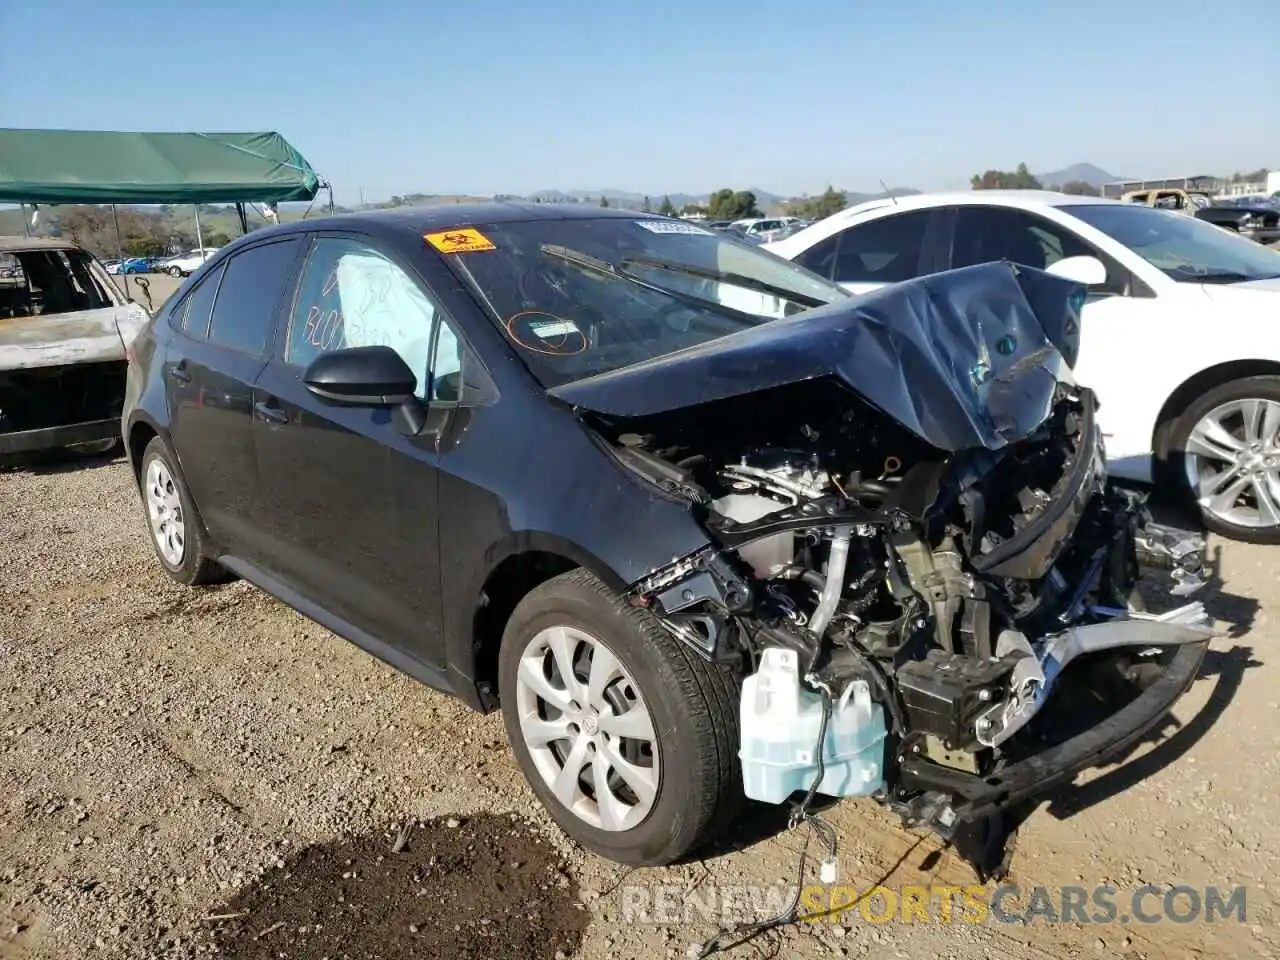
<point>1012,198</point>
<point>450,216</point>
<point>24,244</point>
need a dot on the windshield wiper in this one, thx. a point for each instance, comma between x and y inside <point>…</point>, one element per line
<point>725,276</point>
<point>606,269</point>
<point>580,259</point>
<point>1215,276</point>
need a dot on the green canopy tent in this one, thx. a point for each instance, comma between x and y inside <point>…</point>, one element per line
<point>101,166</point>
<point>106,166</point>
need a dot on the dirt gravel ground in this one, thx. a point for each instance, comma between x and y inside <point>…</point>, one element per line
<point>205,773</point>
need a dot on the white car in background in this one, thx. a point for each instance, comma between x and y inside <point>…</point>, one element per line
<point>185,264</point>
<point>765,229</point>
<point>1181,328</point>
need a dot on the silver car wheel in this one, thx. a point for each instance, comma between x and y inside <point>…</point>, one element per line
<point>1233,462</point>
<point>164,508</point>
<point>587,729</point>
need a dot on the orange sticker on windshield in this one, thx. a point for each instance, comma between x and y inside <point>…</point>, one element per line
<point>462,240</point>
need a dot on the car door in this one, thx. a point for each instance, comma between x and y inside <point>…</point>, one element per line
<point>223,331</point>
<point>889,249</point>
<point>1120,315</point>
<point>353,500</point>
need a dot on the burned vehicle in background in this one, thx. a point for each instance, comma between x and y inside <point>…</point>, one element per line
<point>701,524</point>
<point>63,331</point>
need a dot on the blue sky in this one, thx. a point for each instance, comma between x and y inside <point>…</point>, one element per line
<point>442,96</point>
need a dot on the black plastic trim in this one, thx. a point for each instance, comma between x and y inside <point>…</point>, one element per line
<point>50,438</point>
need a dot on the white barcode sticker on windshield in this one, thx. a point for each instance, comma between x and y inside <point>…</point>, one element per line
<point>674,226</point>
<point>552,328</point>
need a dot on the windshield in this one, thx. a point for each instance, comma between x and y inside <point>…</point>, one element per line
<point>1185,248</point>
<point>579,297</point>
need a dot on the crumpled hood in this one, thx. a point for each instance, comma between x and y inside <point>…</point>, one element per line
<point>59,339</point>
<point>966,358</point>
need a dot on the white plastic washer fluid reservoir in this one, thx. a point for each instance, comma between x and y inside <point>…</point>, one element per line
<point>780,723</point>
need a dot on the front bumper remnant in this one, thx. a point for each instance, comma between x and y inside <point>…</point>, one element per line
<point>976,797</point>
<point>1035,675</point>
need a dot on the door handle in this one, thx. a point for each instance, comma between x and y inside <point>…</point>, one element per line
<point>269,412</point>
<point>180,372</point>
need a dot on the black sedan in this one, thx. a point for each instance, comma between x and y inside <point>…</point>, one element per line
<point>700,524</point>
<point>1257,219</point>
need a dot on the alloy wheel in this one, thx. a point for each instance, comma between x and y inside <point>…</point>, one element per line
<point>1233,462</point>
<point>164,508</point>
<point>587,728</point>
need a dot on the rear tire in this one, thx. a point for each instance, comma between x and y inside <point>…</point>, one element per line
<point>174,272</point>
<point>1228,440</point>
<point>177,533</point>
<point>692,706</point>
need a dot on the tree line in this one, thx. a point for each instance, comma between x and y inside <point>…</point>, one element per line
<point>1021,178</point>
<point>141,234</point>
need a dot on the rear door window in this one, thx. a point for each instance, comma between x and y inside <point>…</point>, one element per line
<point>821,257</point>
<point>887,250</point>
<point>248,302</point>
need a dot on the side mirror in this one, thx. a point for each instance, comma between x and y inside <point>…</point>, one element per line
<point>361,377</point>
<point>1087,270</point>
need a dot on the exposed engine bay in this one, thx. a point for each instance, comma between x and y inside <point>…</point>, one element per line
<point>945,611</point>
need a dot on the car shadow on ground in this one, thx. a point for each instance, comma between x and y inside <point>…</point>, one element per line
<point>54,462</point>
<point>485,887</point>
<point>1228,666</point>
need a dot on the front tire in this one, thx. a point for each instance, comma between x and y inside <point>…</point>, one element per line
<point>629,739</point>
<point>177,534</point>
<point>1222,455</point>
<point>174,272</point>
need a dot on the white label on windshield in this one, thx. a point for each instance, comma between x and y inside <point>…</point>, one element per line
<point>551,328</point>
<point>674,226</point>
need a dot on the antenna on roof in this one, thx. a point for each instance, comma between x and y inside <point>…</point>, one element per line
<point>889,193</point>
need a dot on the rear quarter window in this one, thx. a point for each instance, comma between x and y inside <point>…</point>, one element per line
<point>253,284</point>
<point>193,314</point>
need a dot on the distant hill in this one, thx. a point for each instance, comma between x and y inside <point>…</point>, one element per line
<point>1087,172</point>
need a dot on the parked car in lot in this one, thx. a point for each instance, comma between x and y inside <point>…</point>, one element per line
<point>765,229</point>
<point>1180,341</point>
<point>1257,221</point>
<point>63,328</point>
<point>184,264</point>
<point>131,265</point>
<point>699,523</point>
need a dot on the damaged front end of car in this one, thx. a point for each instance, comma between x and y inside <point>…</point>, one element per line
<point>915,555</point>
